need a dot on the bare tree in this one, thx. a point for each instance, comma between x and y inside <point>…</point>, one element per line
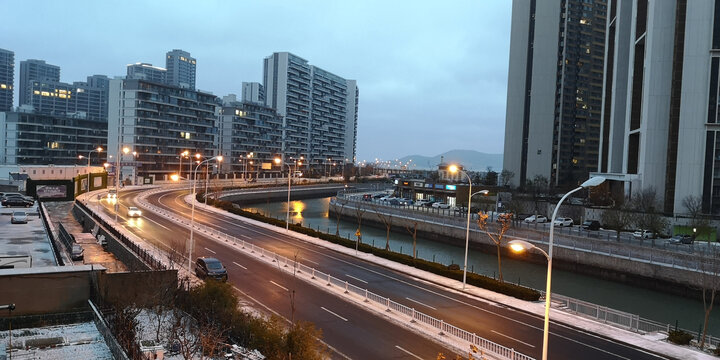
<point>386,219</point>
<point>647,215</point>
<point>710,283</point>
<point>176,255</point>
<point>125,326</point>
<point>617,218</point>
<point>359,212</point>
<point>413,232</point>
<point>339,212</point>
<point>693,205</point>
<point>506,177</point>
<point>183,332</point>
<point>210,339</point>
<point>504,221</point>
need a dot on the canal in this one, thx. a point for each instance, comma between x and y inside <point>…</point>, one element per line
<point>654,305</point>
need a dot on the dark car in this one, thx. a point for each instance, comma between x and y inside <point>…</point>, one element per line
<point>77,252</point>
<point>210,267</point>
<point>367,197</point>
<point>681,239</point>
<point>17,201</point>
<point>591,225</point>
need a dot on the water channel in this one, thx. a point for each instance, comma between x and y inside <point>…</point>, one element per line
<point>649,304</point>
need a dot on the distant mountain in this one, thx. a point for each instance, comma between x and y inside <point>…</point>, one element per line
<point>470,159</point>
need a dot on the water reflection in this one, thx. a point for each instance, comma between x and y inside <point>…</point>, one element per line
<point>313,213</point>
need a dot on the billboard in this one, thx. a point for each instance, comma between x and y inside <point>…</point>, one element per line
<point>51,191</point>
<point>266,166</point>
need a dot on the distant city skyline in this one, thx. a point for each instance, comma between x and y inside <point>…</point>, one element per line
<point>432,77</point>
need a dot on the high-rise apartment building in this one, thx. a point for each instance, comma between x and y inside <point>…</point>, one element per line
<point>318,107</point>
<point>148,72</point>
<point>249,127</point>
<point>253,92</point>
<point>180,69</point>
<point>661,101</point>
<point>80,99</point>
<point>158,122</point>
<point>7,77</point>
<point>35,70</point>
<point>554,99</point>
<point>41,139</point>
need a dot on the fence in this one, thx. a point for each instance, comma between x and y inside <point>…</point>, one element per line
<point>603,314</point>
<point>141,253</point>
<point>412,315</point>
<point>104,329</point>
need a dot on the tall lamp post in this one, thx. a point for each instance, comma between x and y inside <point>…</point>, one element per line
<point>125,151</point>
<point>519,245</point>
<point>290,174</point>
<point>98,149</point>
<point>182,155</point>
<point>454,169</point>
<point>192,211</point>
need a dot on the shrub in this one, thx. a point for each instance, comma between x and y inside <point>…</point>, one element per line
<point>679,337</point>
<point>436,268</point>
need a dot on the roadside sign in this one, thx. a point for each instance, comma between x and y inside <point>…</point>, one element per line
<point>357,233</point>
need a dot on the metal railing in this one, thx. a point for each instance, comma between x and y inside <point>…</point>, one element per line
<point>412,315</point>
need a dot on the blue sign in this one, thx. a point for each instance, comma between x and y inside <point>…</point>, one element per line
<point>439,186</point>
<point>450,187</point>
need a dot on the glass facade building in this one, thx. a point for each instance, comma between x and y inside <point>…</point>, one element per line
<point>7,77</point>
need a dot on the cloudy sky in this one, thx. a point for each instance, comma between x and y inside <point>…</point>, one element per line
<point>432,74</point>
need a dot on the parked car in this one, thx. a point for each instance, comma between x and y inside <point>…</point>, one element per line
<point>535,219</point>
<point>405,202</point>
<point>210,267</point>
<point>430,203</point>
<point>393,201</point>
<point>134,212</point>
<point>591,225</point>
<point>19,217</point>
<point>440,205</point>
<point>644,234</point>
<point>378,196</point>
<point>77,252</point>
<point>367,197</point>
<point>387,198</point>
<point>681,239</point>
<point>421,202</point>
<point>16,201</point>
<point>15,196</point>
<point>563,222</point>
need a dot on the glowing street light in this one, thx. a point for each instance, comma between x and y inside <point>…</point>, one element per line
<point>192,212</point>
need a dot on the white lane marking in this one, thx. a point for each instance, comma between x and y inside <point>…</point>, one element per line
<point>417,302</point>
<point>407,352</point>
<point>158,224</point>
<point>278,285</point>
<point>512,338</point>
<point>293,241</point>
<point>239,265</point>
<point>210,251</point>
<point>245,236</point>
<point>310,261</point>
<point>344,319</point>
<point>358,279</point>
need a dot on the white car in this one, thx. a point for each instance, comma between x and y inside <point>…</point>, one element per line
<point>563,222</point>
<point>533,219</point>
<point>440,205</point>
<point>644,234</point>
<point>134,212</point>
<point>421,202</point>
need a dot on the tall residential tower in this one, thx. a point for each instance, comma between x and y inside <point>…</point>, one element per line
<point>180,69</point>
<point>7,77</point>
<point>554,98</point>
<point>35,70</point>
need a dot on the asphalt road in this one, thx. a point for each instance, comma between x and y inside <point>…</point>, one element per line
<point>506,326</point>
<point>349,331</point>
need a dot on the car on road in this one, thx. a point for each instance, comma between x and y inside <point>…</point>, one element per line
<point>440,205</point>
<point>681,239</point>
<point>17,201</point>
<point>77,252</point>
<point>405,202</point>
<point>591,225</point>
<point>367,197</point>
<point>535,219</point>
<point>207,267</point>
<point>563,222</point>
<point>112,194</point>
<point>421,202</point>
<point>134,212</point>
<point>19,217</point>
<point>644,234</point>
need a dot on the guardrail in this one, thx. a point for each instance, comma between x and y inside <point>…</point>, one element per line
<point>412,315</point>
<point>585,309</point>
<point>147,257</point>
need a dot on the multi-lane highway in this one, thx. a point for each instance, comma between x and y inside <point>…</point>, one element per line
<point>347,328</point>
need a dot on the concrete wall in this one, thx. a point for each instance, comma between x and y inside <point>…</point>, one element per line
<point>652,276</point>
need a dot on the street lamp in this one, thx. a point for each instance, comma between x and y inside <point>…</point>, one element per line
<point>519,245</point>
<point>98,149</point>
<point>290,174</point>
<point>453,169</point>
<point>182,155</point>
<point>192,212</point>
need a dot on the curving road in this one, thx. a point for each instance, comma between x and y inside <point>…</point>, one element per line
<point>346,327</point>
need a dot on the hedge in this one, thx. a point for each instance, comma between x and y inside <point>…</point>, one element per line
<point>478,280</point>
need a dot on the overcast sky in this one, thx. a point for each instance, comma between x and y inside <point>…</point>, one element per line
<point>432,74</point>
